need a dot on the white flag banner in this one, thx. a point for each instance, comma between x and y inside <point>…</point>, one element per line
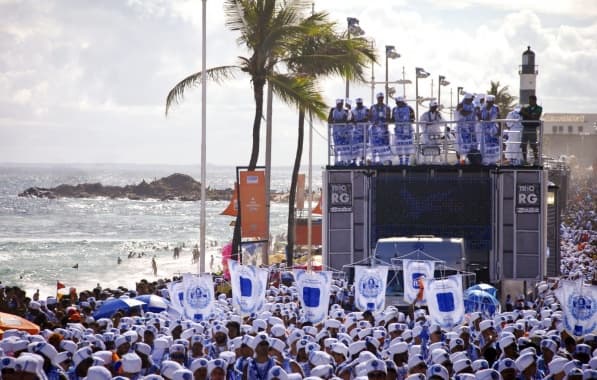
<point>198,296</point>
<point>579,303</point>
<point>370,287</point>
<point>445,300</point>
<point>176,292</point>
<point>413,270</point>
<point>249,284</point>
<point>314,293</point>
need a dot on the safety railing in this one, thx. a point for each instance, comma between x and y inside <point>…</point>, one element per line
<point>497,142</point>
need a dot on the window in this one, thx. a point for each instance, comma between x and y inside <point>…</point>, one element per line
<point>580,129</point>
<point>561,128</point>
<point>554,129</point>
<point>570,128</point>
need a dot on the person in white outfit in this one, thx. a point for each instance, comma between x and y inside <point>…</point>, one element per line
<point>431,126</point>
<point>512,137</point>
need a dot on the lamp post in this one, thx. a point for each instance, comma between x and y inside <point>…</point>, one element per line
<point>420,73</point>
<point>393,54</point>
<point>458,93</point>
<point>441,82</point>
<point>202,218</point>
<point>355,30</point>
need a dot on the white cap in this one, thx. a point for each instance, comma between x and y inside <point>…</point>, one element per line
<point>433,103</point>
<point>277,372</point>
<point>182,374</point>
<point>359,100</point>
<point>399,98</point>
<point>278,330</point>
<point>338,101</point>
<point>507,341</point>
<point>438,370</point>
<point>97,372</point>
<point>462,364</point>
<point>524,361</point>
<point>375,365</point>
<point>415,360</point>
<point>216,363</point>
<point>80,355</point>
<point>486,324</point>
<point>480,364</point>
<point>131,363</point>
<point>169,367</point>
<point>380,95</point>
<point>398,348</point>
<point>488,374</point>
<point>259,338</point>
<point>506,363</point>
<point>490,98</point>
<point>196,364</point>
<point>324,371</point>
<point>468,95</point>
<point>339,348</point>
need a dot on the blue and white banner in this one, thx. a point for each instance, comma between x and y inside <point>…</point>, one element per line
<point>413,270</point>
<point>314,293</point>
<point>579,303</point>
<point>176,292</point>
<point>445,300</point>
<point>198,296</point>
<point>249,284</point>
<point>370,287</point>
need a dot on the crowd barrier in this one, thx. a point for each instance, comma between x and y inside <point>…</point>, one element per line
<point>496,142</point>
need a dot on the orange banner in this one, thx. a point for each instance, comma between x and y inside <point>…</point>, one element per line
<point>232,208</point>
<point>253,215</point>
<point>300,192</point>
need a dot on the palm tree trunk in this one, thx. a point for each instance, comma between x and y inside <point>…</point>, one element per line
<point>258,85</point>
<point>292,195</point>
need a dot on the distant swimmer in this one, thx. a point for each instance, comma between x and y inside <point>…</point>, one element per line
<point>119,260</point>
<point>76,266</point>
<point>154,266</point>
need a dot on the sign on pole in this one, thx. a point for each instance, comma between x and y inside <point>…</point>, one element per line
<point>340,197</point>
<point>528,198</point>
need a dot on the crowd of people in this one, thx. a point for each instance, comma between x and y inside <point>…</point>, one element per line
<point>527,341</point>
<point>362,136</point>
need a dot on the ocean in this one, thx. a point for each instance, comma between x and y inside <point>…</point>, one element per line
<point>41,240</point>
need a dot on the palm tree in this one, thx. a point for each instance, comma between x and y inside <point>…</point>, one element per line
<point>267,28</point>
<point>503,99</point>
<point>321,53</point>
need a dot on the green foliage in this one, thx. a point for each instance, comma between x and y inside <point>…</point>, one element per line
<point>503,99</point>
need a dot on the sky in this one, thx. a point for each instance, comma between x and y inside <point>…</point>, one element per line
<point>85,81</point>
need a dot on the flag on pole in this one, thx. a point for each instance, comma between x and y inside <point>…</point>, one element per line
<point>579,304</point>
<point>445,300</point>
<point>370,287</point>
<point>198,296</point>
<point>176,291</point>
<point>249,284</point>
<point>314,293</point>
<point>413,271</point>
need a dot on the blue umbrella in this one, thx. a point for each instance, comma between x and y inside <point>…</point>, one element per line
<point>483,302</point>
<point>484,287</point>
<point>153,303</point>
<point>110,307</point>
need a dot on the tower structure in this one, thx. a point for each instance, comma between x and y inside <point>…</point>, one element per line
<point>528,76</point>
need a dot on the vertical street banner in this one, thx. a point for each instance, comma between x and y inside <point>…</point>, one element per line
<point>300,192</point>
<point>198,296</point>
<point>413,271</point>
<point>579,303</point>
<point>252,196</point>
<point>249,284</point>
<point>370,287</point>
<point>314,293</point>
<point>528,198</point>
<point>445,300</point>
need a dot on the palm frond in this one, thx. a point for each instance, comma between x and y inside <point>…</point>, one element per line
<point>299,91</point>
<point>216,74</point>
